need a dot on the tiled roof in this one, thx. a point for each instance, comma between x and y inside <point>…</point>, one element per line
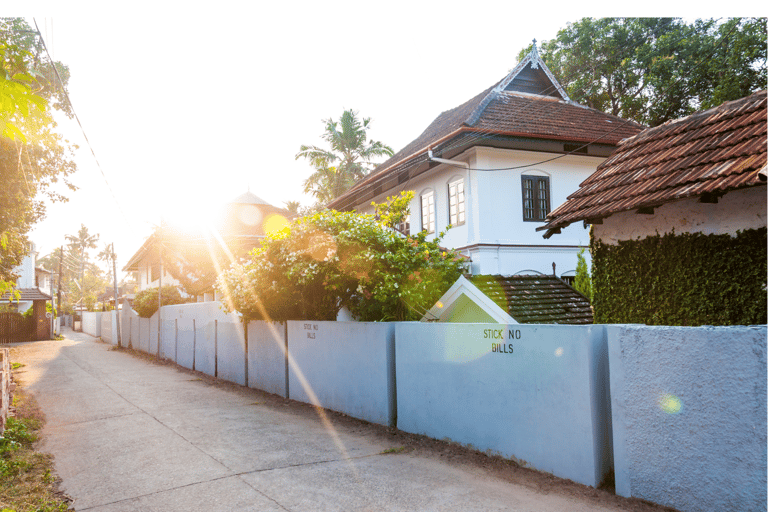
<point>536,299</point>
<point>499,111</point>
<point>26,294</point>
<point>707,153</point>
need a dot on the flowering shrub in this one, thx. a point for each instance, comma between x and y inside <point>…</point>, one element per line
<point>322,262</point>
<point>145,303</point>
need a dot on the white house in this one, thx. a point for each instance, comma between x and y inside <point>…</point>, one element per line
<point>704,173</point>
<point>688,197</point>
<point>197,254</point>
<point>33,284</point>
<point>493,167</point>
<point>31,292</point>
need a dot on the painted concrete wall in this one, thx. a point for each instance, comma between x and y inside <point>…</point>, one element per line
<point>92,323</point>
<point>527,392</point>
<point>185,342</point>
<point>736,210</point>
<point>505,244</point>
<point>231,352</point>
<point>689,415</point>
<point>109,327</point>
<point>267,362</point>
<point>344,366</point>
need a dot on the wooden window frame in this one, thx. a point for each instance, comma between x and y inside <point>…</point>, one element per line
<point>535,208</point>
<point>457,213</point>
<point>428,218</point>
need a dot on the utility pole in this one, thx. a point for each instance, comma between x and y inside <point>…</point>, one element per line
<point>53,311</point>
<point>58,294</point>
<point>117,309</point>
<point>160,288</point>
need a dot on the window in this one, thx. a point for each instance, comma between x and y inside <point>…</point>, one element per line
<point>428,211</point>
<point>535,198</point>
<point>456,204</point>
<point>405,226</point>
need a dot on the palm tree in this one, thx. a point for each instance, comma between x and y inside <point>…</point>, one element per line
<point>106,256</point>
<point>352,150</point>
<point>82,242</point>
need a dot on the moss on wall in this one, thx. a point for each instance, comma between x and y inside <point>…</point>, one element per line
<point>686,279</point>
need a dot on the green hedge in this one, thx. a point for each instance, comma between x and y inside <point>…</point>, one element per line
<point>687,279</point>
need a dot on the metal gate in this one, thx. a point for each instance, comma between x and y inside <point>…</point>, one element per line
<point>14,328</point>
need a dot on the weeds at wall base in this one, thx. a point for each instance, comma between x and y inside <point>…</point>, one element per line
<point>27,482</point>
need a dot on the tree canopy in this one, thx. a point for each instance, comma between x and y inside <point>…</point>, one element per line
<point>326,261</point>
<point>348,159</point>
<point>33,156</point>
<point>652,70</point>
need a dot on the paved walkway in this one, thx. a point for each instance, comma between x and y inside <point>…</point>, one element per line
<point>127,434</point>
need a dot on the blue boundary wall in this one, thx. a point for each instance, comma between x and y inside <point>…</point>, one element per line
<point>525,392</point>
<point>689,415</point>
<point>91,323</point>
<point>679,412</point>
<point>344,366</point>
<point>267,359</point>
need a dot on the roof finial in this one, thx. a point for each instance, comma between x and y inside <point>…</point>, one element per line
<point>534,56</point>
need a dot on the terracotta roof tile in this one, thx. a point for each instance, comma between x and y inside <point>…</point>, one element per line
<point>714,151</point>
<point>540,299</point>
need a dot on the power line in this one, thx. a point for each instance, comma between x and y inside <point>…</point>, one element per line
<point>419,159</point>
<point>66,95</point>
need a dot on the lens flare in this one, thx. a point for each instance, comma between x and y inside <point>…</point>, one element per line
<point>274,223</point>
<point>439,304</point>
<point>559,351</point>
<point>249,215</point>
<point>670,404</point>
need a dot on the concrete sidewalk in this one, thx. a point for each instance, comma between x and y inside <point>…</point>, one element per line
<point>127,434</point>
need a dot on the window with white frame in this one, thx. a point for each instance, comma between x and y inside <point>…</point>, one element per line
<point>405,225</point>
<point>535,198</point>
<point>428,211</point>
<point>456,203</point>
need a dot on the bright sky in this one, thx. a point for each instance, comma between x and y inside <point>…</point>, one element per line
<point>187,109</point>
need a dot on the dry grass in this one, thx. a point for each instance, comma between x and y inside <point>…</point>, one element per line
<point>27,482</point>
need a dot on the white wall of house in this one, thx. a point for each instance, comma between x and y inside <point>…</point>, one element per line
<point>145,276</point>
<point>26,270</point>
<point>494,234</point>
<point>736,210</point>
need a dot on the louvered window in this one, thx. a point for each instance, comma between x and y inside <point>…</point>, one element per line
<point>456,204</point>
<point>428,212</point>
<point>535,198</point>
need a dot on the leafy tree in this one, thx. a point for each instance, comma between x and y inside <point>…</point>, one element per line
<point>583,281</point>
<point>145,303</point>
<point>32,155</point>
<point>652,70</point>
<point>293,206</point>
<point>348,159</point>
<point>328,260</point>
<point>79,244</point>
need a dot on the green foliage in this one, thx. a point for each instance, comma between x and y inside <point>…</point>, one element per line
<point>348,160</point>
<point>583,281</point>
<point>394,211</point>
<point>687,279</point>
<point>652,70</point>
<point>328,260</point>
<point>33,156</point>
<point>145,303</point>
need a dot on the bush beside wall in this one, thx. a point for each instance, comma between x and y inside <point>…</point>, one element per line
<point>686,279</point>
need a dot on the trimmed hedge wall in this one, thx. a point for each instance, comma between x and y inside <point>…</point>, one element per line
<point>687,279</point>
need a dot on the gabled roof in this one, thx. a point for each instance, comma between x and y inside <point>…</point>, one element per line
<point>249,198</point>
<point>536,299</point>
<point>462,296</point>
<point>705,154</point>
<point>527,103</point>
<point>26,295</point>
